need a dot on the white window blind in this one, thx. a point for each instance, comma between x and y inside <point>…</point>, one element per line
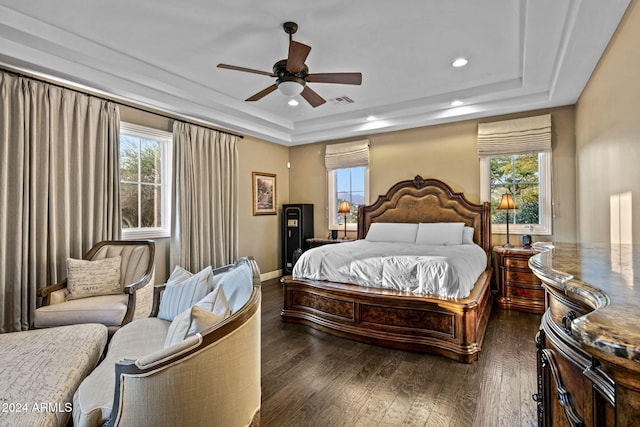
<point>519,136</point>
<point>347,155</point>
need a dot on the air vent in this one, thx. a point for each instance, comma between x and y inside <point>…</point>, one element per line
<point>342,100</point>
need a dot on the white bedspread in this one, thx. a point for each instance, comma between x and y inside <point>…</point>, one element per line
<point>446,271</point>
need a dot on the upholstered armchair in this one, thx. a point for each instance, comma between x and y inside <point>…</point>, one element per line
<point>60,306</point>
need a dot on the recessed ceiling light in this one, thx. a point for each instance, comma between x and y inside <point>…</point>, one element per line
<point>371,118</point>
<point>460,62</point>
<point>293,102</point>
<point>457,103</point>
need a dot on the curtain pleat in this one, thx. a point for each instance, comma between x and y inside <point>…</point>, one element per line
<point>518,136</point>
<point>204,218</point>
<point>59,152</point>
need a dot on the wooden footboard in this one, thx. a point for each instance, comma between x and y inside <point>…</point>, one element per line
<point>450,327</point>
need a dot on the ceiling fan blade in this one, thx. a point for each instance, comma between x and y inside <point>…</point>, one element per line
<point>262,93</point>
<point>246,70</point>
<point>312,97</point>
<point>298,53</point>
<point>341,78</point>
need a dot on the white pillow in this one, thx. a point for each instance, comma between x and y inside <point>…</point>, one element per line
<point>467,236</point>
<point>178,275</point>
<point>178,296</point>
<point>392,232</point>
<point>440,233</point>
<point>93,278</point>
<point>190,322</point>
<point>214,302</point>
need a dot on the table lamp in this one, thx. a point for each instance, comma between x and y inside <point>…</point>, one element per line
<point>344,208</point>
<point>508,205</point>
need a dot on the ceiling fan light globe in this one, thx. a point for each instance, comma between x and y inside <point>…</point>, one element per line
<point>290,88</point>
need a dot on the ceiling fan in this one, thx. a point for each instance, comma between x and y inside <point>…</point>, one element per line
<point>293,74</point>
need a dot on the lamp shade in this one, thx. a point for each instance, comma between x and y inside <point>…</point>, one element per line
<point>344,208</point>
<point>506,203</point>
<point>290,88</point>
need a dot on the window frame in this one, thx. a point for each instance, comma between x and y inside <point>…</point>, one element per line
<point>332,197</point>
<point>166,140</point>
<point>544,194</point>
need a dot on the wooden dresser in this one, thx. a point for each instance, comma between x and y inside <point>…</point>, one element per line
<point>519,288</point>
<point>589,338</point>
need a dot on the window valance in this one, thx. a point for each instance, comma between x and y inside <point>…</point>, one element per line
<point>519,136</point>
<point>347,155</point>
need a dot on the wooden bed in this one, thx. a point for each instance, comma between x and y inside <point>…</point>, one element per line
<point>450,327</point>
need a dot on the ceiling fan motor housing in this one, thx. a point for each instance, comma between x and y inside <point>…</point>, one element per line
<point>284,75</point>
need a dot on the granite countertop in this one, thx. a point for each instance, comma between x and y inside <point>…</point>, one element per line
<point>603,278</point>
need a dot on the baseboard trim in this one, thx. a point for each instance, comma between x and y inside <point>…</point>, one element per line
<point>271,275</point>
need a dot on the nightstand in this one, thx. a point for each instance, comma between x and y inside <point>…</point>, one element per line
<point>520,289</point>
<point>314,242</point>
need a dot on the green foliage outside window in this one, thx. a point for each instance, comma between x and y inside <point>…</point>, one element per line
<point>521,175</point>
<point>140,182</point>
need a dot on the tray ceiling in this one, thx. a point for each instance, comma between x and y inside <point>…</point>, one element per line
<point>522,55</point>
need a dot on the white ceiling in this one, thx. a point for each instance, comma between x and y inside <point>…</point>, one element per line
<point>523,55</point>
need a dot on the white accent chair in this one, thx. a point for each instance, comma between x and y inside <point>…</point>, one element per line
<point>113,311</point>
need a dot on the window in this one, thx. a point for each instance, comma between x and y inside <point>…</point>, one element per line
<point>528,176</point>
<point>144,181</point>
<point>516,155</point>
<point>348,180</point>
<point>351,185</point>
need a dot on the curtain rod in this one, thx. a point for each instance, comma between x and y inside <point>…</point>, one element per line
<point>117,101</point>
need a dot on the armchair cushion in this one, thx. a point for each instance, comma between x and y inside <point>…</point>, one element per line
<point>108,310</point>
<point>93,278</point>
<point>179,296</point>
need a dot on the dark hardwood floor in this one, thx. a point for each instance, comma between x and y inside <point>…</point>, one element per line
<point>310,378</point>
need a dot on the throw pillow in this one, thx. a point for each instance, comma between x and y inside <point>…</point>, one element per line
<point>392,232</point>
<point>190,322</point>
<point>93,278</point>
<point>467,236</point>
<point>440,233</point>
<point>178,275</point>
<point>234,283</point>
<point>177,297</point>
<point>214,302</point>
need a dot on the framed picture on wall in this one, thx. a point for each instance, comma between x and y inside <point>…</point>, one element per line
<point>264,193</point>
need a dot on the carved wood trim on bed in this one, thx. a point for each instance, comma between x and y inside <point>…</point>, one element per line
<point>450,327</point>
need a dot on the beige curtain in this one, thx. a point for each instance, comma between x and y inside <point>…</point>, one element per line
<point>59,187</point>
<point>204,212</point>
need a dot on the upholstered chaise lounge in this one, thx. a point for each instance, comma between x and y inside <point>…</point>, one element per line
<point>209,378</point>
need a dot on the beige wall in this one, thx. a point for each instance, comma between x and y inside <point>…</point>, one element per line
<point>259,235</point>
<point>447,152</point>
<point>608,133</point>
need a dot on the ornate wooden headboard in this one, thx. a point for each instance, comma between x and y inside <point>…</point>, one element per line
<point>427,200</point>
